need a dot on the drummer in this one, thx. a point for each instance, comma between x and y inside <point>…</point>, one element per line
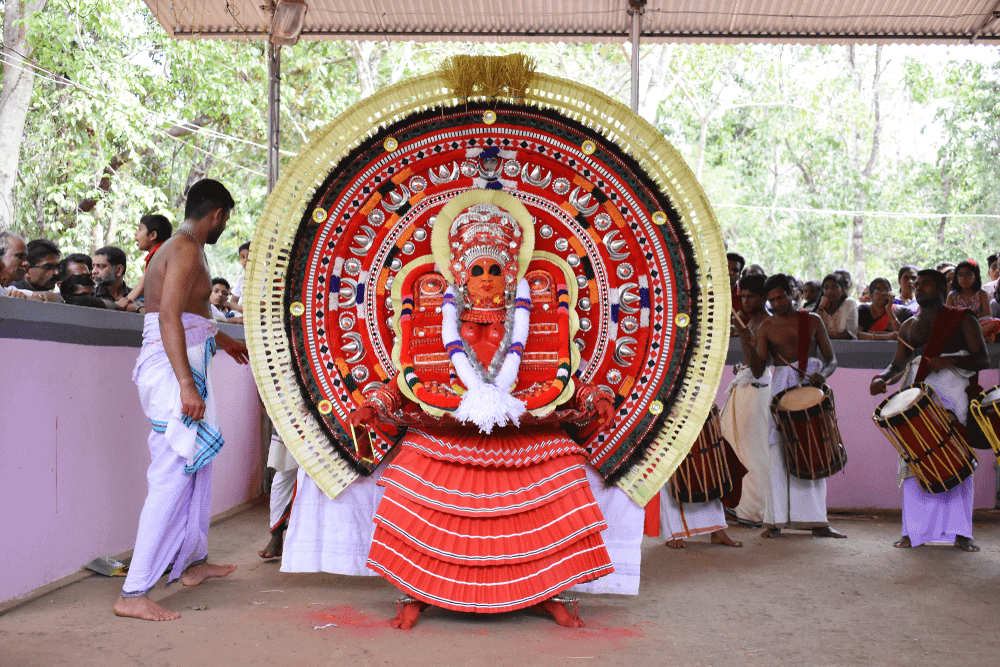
<point>745,414</point>
<point>791,502</point>
<point>949,347</point>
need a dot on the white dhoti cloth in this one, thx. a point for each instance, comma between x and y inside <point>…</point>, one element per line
<point>335,535</point>
<point>173,526</point>
<point>332,535</point>
<point>744,420</point>
<point>939,517</point>
<point>792,502</point>
<point>283,483</point>
<point>622,538</point>
<point>679,520</point>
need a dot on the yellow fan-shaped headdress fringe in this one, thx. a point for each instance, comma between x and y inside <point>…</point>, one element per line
<point>498,77</point>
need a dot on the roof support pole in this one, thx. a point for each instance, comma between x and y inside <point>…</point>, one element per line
<point>273,114</point>
<point>635,9</point>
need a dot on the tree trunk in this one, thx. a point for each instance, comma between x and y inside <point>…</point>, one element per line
<point>18,80</point>
<point>368,57</point>
<point>857,236</point>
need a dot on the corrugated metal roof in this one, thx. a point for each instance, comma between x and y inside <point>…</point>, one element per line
<point>805,21</point>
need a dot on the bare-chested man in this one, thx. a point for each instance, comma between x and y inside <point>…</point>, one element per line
<point>949,344</point>
<point>172,373</point>
<point>791,502</point>
<point>745,415</point>
<point>679,520</point>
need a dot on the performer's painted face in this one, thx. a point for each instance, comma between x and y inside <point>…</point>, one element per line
<point>485,279</point>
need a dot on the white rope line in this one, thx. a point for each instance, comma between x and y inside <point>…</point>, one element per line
<point>43,73</point>
<point>867,214</point>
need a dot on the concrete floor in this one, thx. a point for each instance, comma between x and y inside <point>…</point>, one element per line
<point>792,601</point>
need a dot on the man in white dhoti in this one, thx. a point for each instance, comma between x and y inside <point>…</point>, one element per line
<point>745,416</point>
<point>679,521</point>
<point>789,334</point>
<point>175,387</point>
<point>282,492</point>
<point>948,345</point>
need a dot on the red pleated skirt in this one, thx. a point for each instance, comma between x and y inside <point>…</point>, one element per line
<point>487,524</point>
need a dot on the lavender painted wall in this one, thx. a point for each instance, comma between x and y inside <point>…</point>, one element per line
<point>869,480</point>
<point>74,455</point>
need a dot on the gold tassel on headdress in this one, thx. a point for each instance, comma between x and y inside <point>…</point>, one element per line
<point>494,77</point>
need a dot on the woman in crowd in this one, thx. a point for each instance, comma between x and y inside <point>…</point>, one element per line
<point>876,320</point>
<point>838,311</point>
<point>967,292</point>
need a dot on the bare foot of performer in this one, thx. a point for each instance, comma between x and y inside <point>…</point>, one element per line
<point>200,573</point>
<point>722,537</point>
<point>275,546</point>
<point>408,614</point>
<point>827,531</point>
<point>905,542</point>
<point>559,612</point>
<point>771,532</point>
<point>965,543</point>
<point>143,608</point>
<point>676,544</point>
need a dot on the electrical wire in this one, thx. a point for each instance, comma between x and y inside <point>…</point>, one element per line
<point>867,214</point>
<point>44,73</point>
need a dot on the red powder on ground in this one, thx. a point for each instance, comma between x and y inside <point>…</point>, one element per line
<point>348,618</point>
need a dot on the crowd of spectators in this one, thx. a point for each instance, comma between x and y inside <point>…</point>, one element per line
<point>878,312</point>
<point>36,270</point>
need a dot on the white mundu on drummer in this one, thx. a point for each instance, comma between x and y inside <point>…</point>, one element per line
<point>786,336</point>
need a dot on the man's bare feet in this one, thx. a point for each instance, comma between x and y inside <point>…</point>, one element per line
<point>200,573</point>
<point>722,537</point>
<point>771,532</point>
<point>562,615</point>
<point>965,543</point>
<point>676,544</point>
<point>143,608</point>
<point>274,547</point>
<point>827,531</point>
<point>903,543</point>
<point>407,616</point>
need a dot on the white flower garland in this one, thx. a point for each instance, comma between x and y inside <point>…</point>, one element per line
<point>485,403</point>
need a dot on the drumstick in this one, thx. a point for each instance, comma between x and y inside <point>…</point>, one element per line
<point>788,363</point>
<point>743,324</point>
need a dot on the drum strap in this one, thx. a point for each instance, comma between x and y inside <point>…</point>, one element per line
<point>945,326</point>
<point>804,341</point>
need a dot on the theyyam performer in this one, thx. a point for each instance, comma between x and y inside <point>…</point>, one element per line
<point>179,339</point>
<point>942,347</point>
<point>482,330</point>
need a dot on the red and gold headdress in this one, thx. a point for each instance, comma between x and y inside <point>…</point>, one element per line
<point>485,230</point>
<point>483,223</point>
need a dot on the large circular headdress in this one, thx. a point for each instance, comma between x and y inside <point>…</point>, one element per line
<point>611,202</point>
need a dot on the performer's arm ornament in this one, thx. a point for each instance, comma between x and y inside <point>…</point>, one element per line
<point>386,399</point>
<point>588,396</point>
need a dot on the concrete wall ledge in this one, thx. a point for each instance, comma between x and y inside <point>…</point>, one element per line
<point>73,438</point>
<point>62,323</point>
